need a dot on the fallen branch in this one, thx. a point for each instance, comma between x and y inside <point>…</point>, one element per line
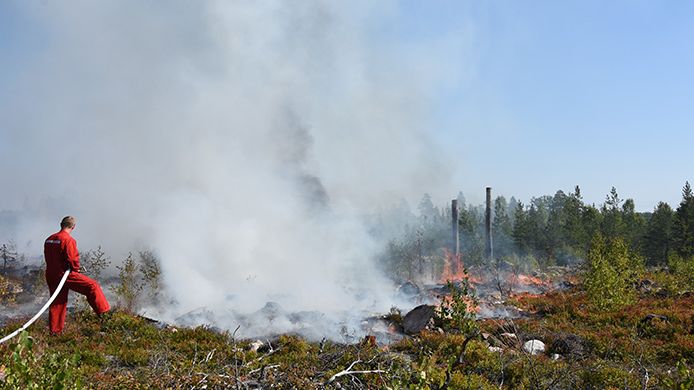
<point>264,356</point>
<point>209,356</point>
<point>349,371</point>
<point>461,358</point>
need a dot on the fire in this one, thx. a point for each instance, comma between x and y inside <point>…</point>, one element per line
<point>528,284</point>
<point>528,280</point>
<point>472,306</point>
<point>453,269</point>
<point>526,295</point>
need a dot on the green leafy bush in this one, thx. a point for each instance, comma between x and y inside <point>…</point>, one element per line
<point>151,274</point>
<point>26,370</point>
<point>612,272</point>
<point>457,311</point>
<point>682,378</point>
<point>94,262</point>
<point>683,270</point>
<point>129,285</point>
<point>6,296</point>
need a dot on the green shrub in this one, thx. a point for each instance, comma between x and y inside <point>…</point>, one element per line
<point>683,270</point>
<point>612,272</point>
<point>133,357</point>
<point>656,328</point>
<point>25,370</point>
<point>6,295</point>
<point>129,286</point>
<point>605,376</point>
<point>470,381</point>
<point>95,262</point>
<point>682,378</point>
<point>457,311</point>
<point>151,274</point>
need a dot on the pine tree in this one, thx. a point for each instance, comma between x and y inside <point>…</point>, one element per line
<point>554,230</point>
<point>683,229</point>
<point>634,224</point>
<point>502,229</point>
<point>427,211</point>
<point>511,210</point>
<point>461,200</point>
<point>471,223</point>
<point>591,220</point>
<point>8,255</point>
<point>521,230</point>
<point>573,229</point>
<point>612,223</point>
<point>538,217</point>
<point>657,241</point>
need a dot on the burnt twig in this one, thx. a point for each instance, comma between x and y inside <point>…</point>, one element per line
<point>348,371</point>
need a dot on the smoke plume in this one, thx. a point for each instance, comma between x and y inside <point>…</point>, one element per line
<point>241,140</point>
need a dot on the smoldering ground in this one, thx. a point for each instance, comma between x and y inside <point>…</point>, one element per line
<point>241,141</point>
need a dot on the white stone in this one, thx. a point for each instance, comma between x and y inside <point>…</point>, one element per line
<point>256,345</point>
<point>534,347</point>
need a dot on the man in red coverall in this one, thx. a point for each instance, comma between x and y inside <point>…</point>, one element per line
<point>60,250</point>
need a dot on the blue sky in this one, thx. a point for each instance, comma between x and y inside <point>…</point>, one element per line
<point>556,94</point>
<point>544,95</point>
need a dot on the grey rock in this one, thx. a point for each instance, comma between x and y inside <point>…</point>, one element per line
<point>534,347</point>
<point>569,345</point>
<point>417,319</point>
<point>254,346</point>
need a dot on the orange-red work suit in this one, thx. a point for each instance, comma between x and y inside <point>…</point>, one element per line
<point>60,251</point>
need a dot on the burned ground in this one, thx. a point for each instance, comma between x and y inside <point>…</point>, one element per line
<point>649,344</point>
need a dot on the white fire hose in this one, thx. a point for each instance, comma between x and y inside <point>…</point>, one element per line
<point>34,318</point>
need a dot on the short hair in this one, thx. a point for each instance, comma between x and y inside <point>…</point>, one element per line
<point>68,222</point>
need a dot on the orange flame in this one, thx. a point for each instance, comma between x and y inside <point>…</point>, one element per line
<point>453,268</point>
<point>472,306</point>
<point>529,280</point>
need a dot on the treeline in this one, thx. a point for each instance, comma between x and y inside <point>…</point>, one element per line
<point>548,230</point>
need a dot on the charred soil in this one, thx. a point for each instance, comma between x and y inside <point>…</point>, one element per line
<point>649,344</point>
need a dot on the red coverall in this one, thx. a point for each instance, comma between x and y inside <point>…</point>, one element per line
<point>60,250</point>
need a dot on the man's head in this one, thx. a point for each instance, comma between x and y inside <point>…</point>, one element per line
<point>68,223</point>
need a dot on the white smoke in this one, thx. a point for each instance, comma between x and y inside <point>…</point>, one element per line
<point>241,140</point>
